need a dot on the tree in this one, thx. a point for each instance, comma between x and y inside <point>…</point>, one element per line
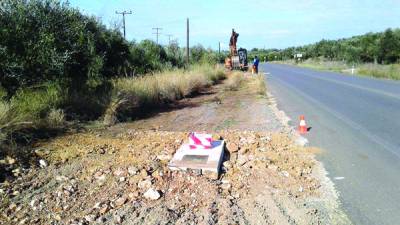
<point>369,47</point>
<point>196,53</point>
<point>389,47</point>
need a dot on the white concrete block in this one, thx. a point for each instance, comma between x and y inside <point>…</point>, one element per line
<point>207,160</point>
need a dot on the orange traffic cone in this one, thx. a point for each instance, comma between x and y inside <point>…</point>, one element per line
<point>303,125</point>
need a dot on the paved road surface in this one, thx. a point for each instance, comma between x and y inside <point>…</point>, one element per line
<point>356,121</point>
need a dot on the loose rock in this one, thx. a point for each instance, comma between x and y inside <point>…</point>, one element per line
<point>120,201</point>
<point>144,184</point>
<point>152,194</point>
<point>42,163</point>
<point>232,147</point>
<point>132,170</point>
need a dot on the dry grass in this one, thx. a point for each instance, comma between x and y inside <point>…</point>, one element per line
<point>4,119</point>
<point>380,71</point>
<point>170,85</point>
<point>160,88</point>
<point>55,118</point>
<point>235,80</point>
<point>260,85</point>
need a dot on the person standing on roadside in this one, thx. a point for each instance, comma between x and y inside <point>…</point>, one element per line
<point>255,64</point>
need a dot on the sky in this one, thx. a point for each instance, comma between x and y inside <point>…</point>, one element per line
<point>260,23</point>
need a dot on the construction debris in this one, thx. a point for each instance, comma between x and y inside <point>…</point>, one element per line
<point>199,155</point>
<point>258,170</point>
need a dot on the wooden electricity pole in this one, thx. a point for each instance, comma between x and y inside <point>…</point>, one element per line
<point>187,41</point>
<point>157,32</point>
<point>123,18</point>
<point>169,38</point>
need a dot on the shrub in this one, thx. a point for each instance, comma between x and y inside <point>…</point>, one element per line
<point>34,103</point>
<point>260,85</point>
<point>55,118</point>
<point>235,80</point>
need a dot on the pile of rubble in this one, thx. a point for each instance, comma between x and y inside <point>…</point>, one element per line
<point>124,178</point>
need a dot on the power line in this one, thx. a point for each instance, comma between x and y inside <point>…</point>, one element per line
<point>157,32</point>
<point>123,18</point>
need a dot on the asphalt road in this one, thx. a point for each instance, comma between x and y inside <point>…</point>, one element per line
<point>356,121</point>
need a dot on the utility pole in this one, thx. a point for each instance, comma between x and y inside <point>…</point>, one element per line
<point>157,32</point>
<point>123,18</point>
<point>219,48</point>
<point>187,41</point>
<point>169,38</point>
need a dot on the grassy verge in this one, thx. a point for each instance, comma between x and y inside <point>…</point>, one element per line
<point>43,107</point>
<point>370,70</point>
<point>143,93</point>
<point>256,83</point>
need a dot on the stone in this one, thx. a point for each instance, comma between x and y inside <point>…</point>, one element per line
<point>43,163</point>
<point>23,221</point>
<point>285,173</point>
<point>152,194</point>
<point>119,172</point>
<point>226,186</point>
<point>164,157</point>
<point>118,219</point>
<point>232,147</point>
<point>10,160</point>
<point>120,201</point>
<point>144,184</point>
<point>243,151</point>
<point>90,218</point>
<point>273,167</point>
<point>262,149</point>
<point>104,209</point>
<point>12,206</point>
<point>97,205</point>
<point>227,164</point>
<point>236,195</point>
<point>61,178</point>
<point>101,220</point>
<point>16,171</point>
<point>241,160</point>
<point>132,170</point>
<point>97,174</point>
<point>144,173</point>
<point>133,195</point>
<point>57,217</point>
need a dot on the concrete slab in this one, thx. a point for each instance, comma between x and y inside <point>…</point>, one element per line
<point>206,160</point>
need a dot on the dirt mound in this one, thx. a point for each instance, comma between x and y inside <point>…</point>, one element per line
<point>124,179</point>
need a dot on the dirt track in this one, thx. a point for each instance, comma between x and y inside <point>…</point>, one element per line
<point>102,176</point>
